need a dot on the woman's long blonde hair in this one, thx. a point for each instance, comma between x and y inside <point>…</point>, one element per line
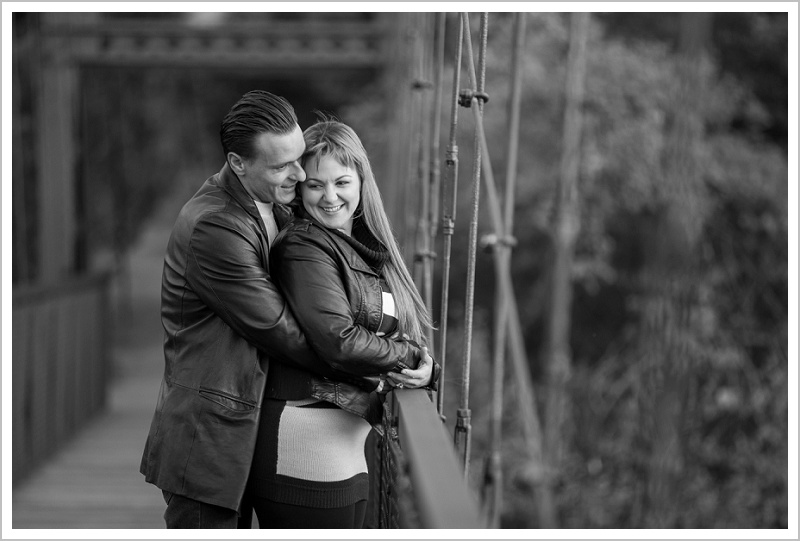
<point>330,137</point>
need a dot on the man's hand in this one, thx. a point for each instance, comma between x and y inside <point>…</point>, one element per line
<point>413,379</point>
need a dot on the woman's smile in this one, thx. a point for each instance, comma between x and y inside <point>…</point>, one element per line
<point>332,210</point>
<point>331,193</point>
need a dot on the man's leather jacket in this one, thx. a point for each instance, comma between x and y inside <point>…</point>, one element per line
<point>224,322</point>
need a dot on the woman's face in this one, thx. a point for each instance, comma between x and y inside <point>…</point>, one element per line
<point>331,193</point>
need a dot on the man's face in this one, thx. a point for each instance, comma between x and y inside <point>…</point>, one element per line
<point>271,174</point>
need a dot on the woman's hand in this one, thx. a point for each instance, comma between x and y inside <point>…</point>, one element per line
<point>413,379</point>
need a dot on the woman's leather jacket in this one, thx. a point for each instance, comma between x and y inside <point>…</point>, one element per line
<point>336,297</point>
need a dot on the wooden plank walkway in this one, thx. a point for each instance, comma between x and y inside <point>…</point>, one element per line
<point>94,482</point>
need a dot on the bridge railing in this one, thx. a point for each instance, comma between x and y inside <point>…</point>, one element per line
<point>60,365</point>
<point>421,481</point>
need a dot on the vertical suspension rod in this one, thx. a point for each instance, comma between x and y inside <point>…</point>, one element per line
<point>531,428</point>
<point>435,165</point>
<point>419,116</point>
<point>513,119</point>
<point>437,123</point>
<point>463,422</point>
<point>449,191</point>
<point>424,254</point>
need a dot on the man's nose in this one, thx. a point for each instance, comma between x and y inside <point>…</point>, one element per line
<point>298,172</point>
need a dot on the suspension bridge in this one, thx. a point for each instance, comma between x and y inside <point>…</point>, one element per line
<point>78,438</point>
<point>664,391</point>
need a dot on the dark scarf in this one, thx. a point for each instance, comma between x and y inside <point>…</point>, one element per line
<point>371,250</point>
<point>365,244</point>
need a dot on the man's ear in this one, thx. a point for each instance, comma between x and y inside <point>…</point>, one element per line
<point>236,163</point>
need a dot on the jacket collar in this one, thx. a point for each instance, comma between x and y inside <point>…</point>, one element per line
<point>365,245</point>
<point>230,183</point>
<point>364,253</point>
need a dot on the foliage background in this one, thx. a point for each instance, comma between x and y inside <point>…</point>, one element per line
<point>734,435</point>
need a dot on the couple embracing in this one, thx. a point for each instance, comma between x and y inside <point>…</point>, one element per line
<point>289,313</point>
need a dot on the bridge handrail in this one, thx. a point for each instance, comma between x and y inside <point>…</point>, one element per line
<point>60,365</point>
<point>442,495</point>
<point>26,294</point>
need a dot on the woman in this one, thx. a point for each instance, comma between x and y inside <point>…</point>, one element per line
<point>344,278</point>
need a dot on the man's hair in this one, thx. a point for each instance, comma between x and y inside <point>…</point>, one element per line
<point>255,113</point>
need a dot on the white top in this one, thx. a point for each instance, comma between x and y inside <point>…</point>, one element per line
<point>265,209</point>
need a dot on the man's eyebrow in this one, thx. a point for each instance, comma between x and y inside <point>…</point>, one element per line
<point>288,162</point>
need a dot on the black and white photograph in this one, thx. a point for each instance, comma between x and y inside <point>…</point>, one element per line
<point>522,273</point>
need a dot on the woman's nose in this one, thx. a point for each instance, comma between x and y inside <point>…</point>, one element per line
<point>330,194</point>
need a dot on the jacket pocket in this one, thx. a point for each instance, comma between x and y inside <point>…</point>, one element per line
<point>226,400</point>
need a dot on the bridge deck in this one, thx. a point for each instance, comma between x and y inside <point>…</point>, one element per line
<point>94,482</point>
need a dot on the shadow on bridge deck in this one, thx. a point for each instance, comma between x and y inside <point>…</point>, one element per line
<point>94,482</point>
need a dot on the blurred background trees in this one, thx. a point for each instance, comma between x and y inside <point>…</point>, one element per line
<point>678,335</point>
<point>730,461</point>
<point>693,390</point>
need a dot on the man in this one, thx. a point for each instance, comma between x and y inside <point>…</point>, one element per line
<point>225,321</point>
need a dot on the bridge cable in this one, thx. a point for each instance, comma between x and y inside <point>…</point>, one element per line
<point>535,471</point>
<point>449,191</point>
<point>414,120</point>
<point>424,255</point>
<point>437,122</point>
<point>435,165</point>
<point>463,430</point>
